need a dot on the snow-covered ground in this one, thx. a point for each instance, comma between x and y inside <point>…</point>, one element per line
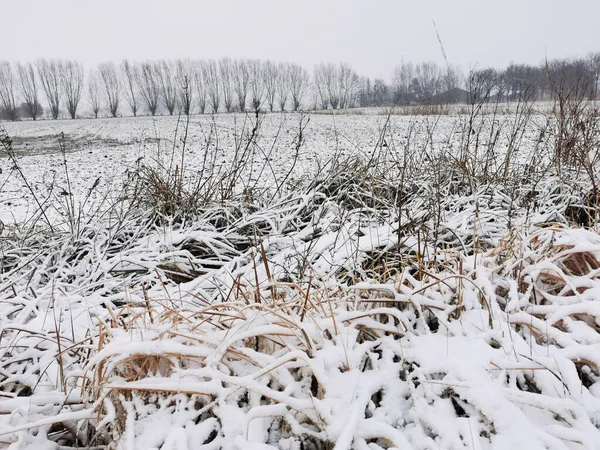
<point>108,148</point>
<point>371,282</point>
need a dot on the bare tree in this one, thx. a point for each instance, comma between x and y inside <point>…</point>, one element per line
<point>94,92</point>
<point>49,75</point>
<point>365,92</point>
<point>594,65</point>
<point>184,74</point>
<point>523,82</point>
<point>256,83</point>
<point>8,90</point>
<point>320,81</point>
<point>200,84</point>
<point>167,85</point>
<point>381,93</point>
<point>298,84</point>
<point>130,77</point>
<point>72,84</point>
<point>213,85</point>
<point>332,84</point>
<point>452,78</point>
<point>427,81</point>
<point>241,78</point>
<point>226,73</point>
<point>481,84</point>
<point>110,86</point>
<point>402,79</point>
<point>149,85</point>
<point>347,83</point>
<point>29,89</point>
<point>271,76</point>
<point>283,84</point>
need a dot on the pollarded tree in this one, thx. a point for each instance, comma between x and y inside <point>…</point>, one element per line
<point>332,85</point>
<point>283,85</point>
<point>29,89</point>
<point>129,75</point>
<point>226,74</point>
<point>149,85</point>
<point>200,84</point>
<point>271,76</point>
<point>320,85</point>
<point>298,84</point>
<point>241,78</point>
<point>256,83</point>
<point>8,90</point>
<point>71,78</point>
<point>110,86</point>
<point>168,86</point>
<point>213,85</point>
<point>49,74</point>
<point>94,92</point>
<point>184,75</point>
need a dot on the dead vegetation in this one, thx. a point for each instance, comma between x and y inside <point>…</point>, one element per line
<point>351,309</point>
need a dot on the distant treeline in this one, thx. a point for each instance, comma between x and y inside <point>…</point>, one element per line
<point>52,87</point>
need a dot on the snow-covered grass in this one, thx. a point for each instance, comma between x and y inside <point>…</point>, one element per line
<point>298,282</point>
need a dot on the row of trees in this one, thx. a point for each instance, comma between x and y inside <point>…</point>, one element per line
<point>428,81</point>
<point>152,87</point>
<point>198,86</point>
<point>191,86</point>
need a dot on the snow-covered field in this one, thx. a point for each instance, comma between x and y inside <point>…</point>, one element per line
<point>302,282</point>
<point>108,148</point>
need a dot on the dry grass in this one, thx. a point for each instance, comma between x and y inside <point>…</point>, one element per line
<point>353,308</point>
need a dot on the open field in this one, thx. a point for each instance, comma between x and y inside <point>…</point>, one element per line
<point>301,281</point>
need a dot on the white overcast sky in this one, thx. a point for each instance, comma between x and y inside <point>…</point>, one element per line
<point>371,35</point>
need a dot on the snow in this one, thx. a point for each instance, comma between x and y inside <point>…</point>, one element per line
<point>302,317</point>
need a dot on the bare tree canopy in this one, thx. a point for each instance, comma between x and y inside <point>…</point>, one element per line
<point>452,78</point>
<point>71,77</point>
<point>320,81</point>
<point>149,84</point>
<point>168,86</point>
<point>402,79</point>
<point>234,85</point>
<point>110,86</point>
<point>271,76</point>
<point>427,81</point>
<point>94,92</point>
<point>213,85</point>
<point>226,74</point>
<point>336,86</point>
<point>8,90</point>
<point>130,76</point>
<point>184,75</point>
<point>283,84</point>
<point>29,90</point>
<point>241,78</point>
<point>332,86</point>
<point>256,83</point>
<point>298,81</point>
<point>347,85</point>
<point>49,72</point>
<point>200,84</point>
